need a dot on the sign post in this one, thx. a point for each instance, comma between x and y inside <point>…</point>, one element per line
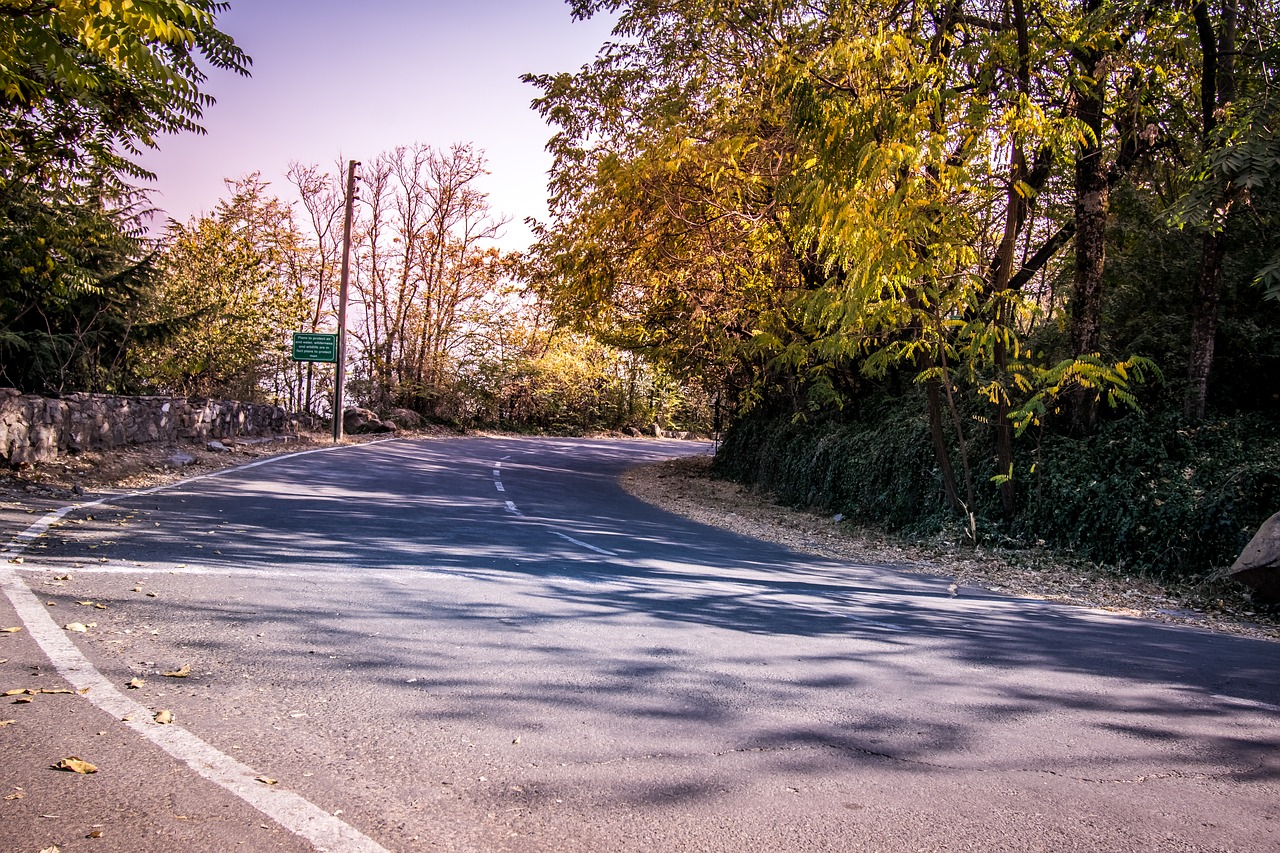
<point>341,378</point>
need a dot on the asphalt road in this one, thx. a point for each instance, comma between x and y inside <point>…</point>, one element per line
<point>486,645</point>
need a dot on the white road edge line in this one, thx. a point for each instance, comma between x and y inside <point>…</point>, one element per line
<point>291,811</point>
<point>582,544</point>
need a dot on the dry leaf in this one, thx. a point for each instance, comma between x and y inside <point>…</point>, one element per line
<point>17,560</point>
<point>84,691</point>
<point>181,672</point>
<point>137,589</point>
<point>266,780</point>
<point>23,700</point>
<point>77,627</point>
<point>62,577</point>
<point>152,594</point>
<point>16,795</point>
<point>85,603</point>
<point>97,833</point>
<point>52,603</point>
<point>54,849</point>
<point>164,717</point>
<point>10,630</point>
<point>135,683</point>
<point>4,723</point>
<point>17,691</point>
<point>99,606</point>
<point>75,765</point>
<point>53,690</point>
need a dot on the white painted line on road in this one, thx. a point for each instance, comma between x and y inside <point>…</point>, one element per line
<point>496,472</point>
<point>291,811</point>
<point>581,544</point>
<point>511,508</point>
<point>498,485</point>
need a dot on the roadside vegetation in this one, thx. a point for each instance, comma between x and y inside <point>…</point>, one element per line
<point>1007,273</point>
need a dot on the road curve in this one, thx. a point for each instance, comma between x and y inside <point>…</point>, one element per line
<point>485,644</point>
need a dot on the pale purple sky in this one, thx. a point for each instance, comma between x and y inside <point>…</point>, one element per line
<point>335,77</point>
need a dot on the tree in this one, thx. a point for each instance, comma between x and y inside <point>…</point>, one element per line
<point>424,260</point>
<point>81,82</point>
<point>234,283</point>
<point>83,87</point>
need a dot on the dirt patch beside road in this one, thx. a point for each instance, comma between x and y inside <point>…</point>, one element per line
<point>686,487</point>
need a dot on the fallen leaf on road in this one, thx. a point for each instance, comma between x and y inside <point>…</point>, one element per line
<point>152,594</point>
<point>17,560</point>
<point>77,627</point>
<point>10,630</point>
<point>17,691</point>
<point>137,589</point>
<point>16,795</point>
<point>266,780</point>
<point>164,717</point>
<point>62,577</point>
<point>4,723</point>
<point>75,765</point>
<point>53,690</point>
<point>135,683</point>
<point>52,603</point>
<point>181,672</point>
<point>85,603</point>
<point>54,849</point>
<point>84,691</point>
<point>97,833</point>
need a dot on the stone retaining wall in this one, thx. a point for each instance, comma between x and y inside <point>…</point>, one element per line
<point>36,429</point>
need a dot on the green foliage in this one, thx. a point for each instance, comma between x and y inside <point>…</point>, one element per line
<point>1153,495</point>
<point>876,468</point>
<point>84,84</point>
<point>70,273</point>
<point>232,289</point>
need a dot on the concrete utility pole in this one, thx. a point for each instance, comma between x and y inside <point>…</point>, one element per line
<point>341,379</point>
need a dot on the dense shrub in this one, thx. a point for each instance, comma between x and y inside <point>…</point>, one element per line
<point>1144,493</point>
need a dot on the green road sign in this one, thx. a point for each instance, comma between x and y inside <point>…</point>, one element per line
<point>315,346</point>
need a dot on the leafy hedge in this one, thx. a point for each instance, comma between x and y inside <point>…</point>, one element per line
<point>1150,494</point>
<point>1144,493</point>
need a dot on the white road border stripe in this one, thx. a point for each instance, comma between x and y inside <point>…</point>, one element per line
<point>291,811</point>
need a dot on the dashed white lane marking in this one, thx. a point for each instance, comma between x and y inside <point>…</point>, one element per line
<point>511,508</point>
<point>582,544</point>
<point>291,811</point>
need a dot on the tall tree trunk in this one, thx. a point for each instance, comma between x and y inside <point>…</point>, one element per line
<point>1217,89</point>
<point>1092,206</point>
<point>1002,269</point>
<point>933,394</point>
<point>1204,323</point>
